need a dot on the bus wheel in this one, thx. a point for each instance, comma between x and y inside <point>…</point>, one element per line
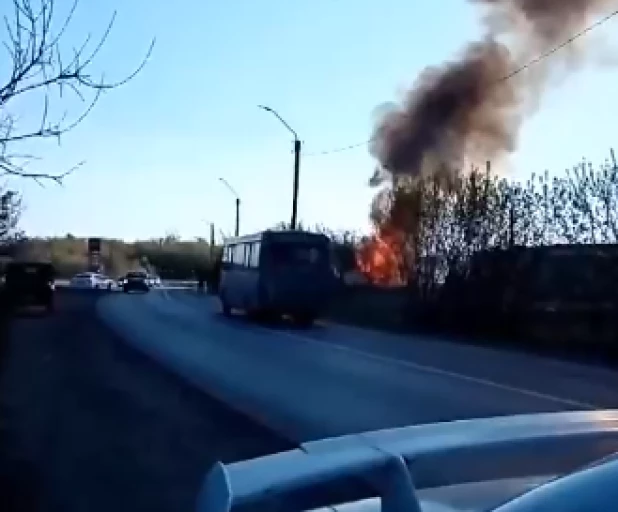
<point>254,315</point>
<point>225,308</point>
<point>263,316</point>
<point>306,320</point>
<point>272,316</point>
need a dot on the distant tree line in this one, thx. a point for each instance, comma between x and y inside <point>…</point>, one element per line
<point>169,257</point>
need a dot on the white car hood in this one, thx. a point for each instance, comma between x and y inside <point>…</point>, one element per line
<point>505,454</point>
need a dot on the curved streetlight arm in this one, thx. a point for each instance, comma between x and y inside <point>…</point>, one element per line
<point>274,113</point>
<point>297,145</point>
<point>229,187</point>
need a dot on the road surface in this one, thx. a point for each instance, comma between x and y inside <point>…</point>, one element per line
<point>332,379</point>
<point>87,423</point>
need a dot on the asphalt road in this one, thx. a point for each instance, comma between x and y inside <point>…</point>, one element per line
<point>87,423</point>
<point>331,379</point>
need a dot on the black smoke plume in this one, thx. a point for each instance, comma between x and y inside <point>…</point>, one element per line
<point>472,108</point>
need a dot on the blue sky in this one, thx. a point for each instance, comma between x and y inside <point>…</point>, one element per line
<point>154,149</point>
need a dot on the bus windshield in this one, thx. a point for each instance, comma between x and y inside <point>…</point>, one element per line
<point>297,253</point>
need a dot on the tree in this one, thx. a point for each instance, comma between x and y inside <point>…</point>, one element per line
<point>10,211</point>
<point>37,68</point>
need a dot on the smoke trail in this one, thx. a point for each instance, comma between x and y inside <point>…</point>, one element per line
<point>466,109</point>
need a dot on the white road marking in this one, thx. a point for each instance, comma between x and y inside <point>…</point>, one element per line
<point>568,366</point>
<point>432,369</point>
<point>439,371</point>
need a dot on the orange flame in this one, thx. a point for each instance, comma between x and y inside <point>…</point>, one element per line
<point>380,258</point>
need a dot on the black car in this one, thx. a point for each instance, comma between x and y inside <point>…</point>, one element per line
<point>136,281</point>
<point>29,284</point>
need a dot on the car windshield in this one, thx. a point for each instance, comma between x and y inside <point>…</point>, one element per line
<point>136,275</point>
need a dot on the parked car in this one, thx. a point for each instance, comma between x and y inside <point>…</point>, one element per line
<point>136,281</point>
<point>105,282</point>
<point>29,284</point>
<point>91,280</point>
<point>83,280</point>
<point>154,281</point>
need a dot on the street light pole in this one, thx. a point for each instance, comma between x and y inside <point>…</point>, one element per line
<point>295,185</point>
<point>211,225</point>
<point>231,189</point>
<point>237,227</point>
<point>297,148</point>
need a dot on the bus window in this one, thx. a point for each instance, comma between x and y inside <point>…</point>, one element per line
<point>247,260</point>
<point>238,256</point>
<point>227,254</point>
<point>255,255</point>
<point>297,254</point>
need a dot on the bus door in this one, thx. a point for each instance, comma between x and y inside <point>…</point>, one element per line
<point>241,276</point>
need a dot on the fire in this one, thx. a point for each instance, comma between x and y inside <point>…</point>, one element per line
<point>380,258</point>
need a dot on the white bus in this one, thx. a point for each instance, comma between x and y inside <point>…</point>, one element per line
<point>276,273</point>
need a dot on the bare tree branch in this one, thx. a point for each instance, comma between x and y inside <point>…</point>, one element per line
<point>38,66</point>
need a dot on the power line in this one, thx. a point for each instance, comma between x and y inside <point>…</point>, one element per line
<point>339,150</point>
<point>529,64</point>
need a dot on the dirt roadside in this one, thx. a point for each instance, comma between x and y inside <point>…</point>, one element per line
<point>89,424</point>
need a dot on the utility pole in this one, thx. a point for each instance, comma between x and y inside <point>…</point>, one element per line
<point>231,189</point>
<point>211,242</point>
<point>297,146</point>
<point>237,228</point>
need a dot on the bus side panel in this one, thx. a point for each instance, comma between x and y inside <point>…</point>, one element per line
<point>240,278</point>
<point>225,286</point>
<point>252,276</point>
<point>234,287</point>
<point>264,281</point>
<point>228,291</point>
<point>251,285</point>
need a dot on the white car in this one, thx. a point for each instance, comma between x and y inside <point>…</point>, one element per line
<point>154,281</point>
<point>104,282</point>
<point>91,280</point>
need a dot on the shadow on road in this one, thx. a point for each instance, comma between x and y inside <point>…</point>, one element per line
<point>87,423</point>
<point>283,323</point>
